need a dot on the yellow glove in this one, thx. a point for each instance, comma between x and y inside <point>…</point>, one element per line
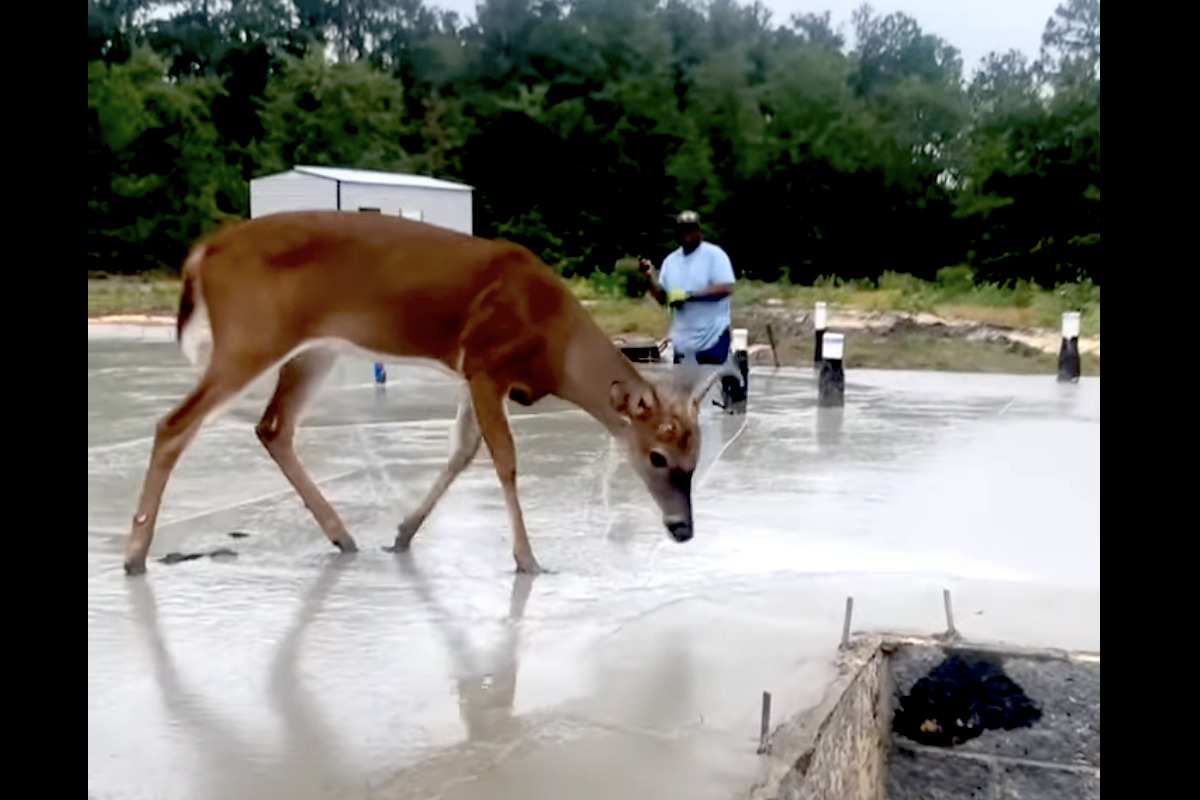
<point>677,297</point>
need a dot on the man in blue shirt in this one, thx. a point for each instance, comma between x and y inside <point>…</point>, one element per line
<point>695,281</point>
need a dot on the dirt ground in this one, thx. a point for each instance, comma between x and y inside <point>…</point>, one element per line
<point>890,340</point>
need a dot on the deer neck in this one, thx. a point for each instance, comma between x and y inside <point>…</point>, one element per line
<point>591,366</point>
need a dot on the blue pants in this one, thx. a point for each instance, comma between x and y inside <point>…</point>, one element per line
<point>717,354</point>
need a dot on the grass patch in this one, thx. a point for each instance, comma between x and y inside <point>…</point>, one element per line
<point>992,315</point>
<point>156,294</point>
<point>954,295</point>
<point>921,351</point>
<point>630,316</point>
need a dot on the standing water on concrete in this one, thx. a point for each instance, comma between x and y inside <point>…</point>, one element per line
<point>636,668</point>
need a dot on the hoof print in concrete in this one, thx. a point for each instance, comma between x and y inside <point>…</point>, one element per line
<point>959,699</point>
<point>175,558</point>
<point>220,554</point>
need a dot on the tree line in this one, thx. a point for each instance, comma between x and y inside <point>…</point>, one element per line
<point>586,124</point>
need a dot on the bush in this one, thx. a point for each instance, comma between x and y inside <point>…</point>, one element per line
<point>955,280</point>
<point>623,280</point>
<point>1023,293</point>
<point>908,292</point>
<point>607,283</point>
<point>1078,295</point>
<point>901,282</point>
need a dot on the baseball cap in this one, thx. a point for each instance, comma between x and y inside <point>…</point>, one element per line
<point>688,218</point>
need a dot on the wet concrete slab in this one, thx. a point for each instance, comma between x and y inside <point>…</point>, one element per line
<point>636,669</point>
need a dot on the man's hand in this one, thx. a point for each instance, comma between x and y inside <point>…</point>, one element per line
<point>646,268</point>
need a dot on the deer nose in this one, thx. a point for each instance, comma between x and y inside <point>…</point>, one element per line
<point>680,531</point>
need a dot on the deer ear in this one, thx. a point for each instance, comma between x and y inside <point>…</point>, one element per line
<point>619,396</point>
<point>645,404</point>
<point>639,404</point>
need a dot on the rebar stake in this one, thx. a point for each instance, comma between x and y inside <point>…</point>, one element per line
<point>950,631</point>
<point>846,622</point>
<point>766,723</point>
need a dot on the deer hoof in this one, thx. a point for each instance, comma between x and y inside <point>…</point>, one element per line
<point>530,567</point>
<point>405,532</point>
<point>346,545</point>
<point>133,568</point>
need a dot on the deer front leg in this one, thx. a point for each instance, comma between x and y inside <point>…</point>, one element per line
<point>467,439</point>
<point>489,409</point>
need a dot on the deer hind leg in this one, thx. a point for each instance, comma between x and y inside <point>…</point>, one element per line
<point>171,435</point>
<point>489,408</point>
<point>299,379</point>
<point>467,439</point>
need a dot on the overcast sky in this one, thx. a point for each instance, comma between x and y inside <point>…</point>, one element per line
<point>975,27</point>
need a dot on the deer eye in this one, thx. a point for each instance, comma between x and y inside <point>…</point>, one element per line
<point>658,460</point>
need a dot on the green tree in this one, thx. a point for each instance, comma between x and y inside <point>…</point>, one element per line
<point>335,114</point>
<point>1031,192</point>
<point>156,177</point>
<point>586,124</point>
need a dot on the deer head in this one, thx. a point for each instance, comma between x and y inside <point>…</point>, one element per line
<point>662,441</point>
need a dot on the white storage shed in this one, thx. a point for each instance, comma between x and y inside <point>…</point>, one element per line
<point>432,200</point>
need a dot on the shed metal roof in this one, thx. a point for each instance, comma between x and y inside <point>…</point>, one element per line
<point>346,175</point>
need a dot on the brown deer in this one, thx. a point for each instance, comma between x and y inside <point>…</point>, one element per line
<point>289,291</point>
